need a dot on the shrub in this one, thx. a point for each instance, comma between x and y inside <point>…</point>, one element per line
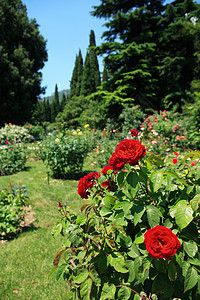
<point>164,131</point>
<point>11,213</point>
<point>36,131</point>
<point>65,155</point>
<point>12,159</point>
<point>137,233</point>
<point>14,134</point>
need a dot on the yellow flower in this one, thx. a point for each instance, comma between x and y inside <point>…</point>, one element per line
<point>57,140</point>
<point>74,133</point>
<point>78,130</point>
<point>86,125</point>
<point>80,133</point>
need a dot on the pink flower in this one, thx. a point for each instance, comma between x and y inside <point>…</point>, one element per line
<point>7,142</point>
<point>174,161</point>
<point>30,126</point>
<point>59,204</point>
<point>47,225</point>
<point>11,149</point>
<point>176,153</point>
<point>193,164</point>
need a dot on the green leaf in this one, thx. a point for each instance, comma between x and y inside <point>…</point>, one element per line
<point>195,202</point>
<point>153,215</point>
<point>118,263</point>
<point>56,230</point>
<point>108,291</point>
<point>193,155</point>
<point>194,261</point>
<point>102,262</point>
<point>109,201</point>
<point>125,241</point>
<point>52,271</point>
<point>138,213</point>
<point>130,265</point>
<point>190,248</point>
<point>172,271</point>
<point>81,276</point>
<point>133,251</point>
<point>124,293</point>
<point>156,179</point>
<point>133,183</point>
<point>173,174</point>
<point>60,272</point>
<point>85,289</point>
<point>105,211</point>
<point>191,279</point>
<point>157,160</point>
<point>120,178</point>
<point>183,214</point>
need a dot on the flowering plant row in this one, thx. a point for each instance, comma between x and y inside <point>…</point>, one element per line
<point>14,134</point>
<point>137,233</point>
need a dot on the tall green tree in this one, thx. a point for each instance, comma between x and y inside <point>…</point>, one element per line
<point>75,84</point>
<point>56,100</point>
<point>23,53</point>
<point>150,49</point>
<point>91,74</point>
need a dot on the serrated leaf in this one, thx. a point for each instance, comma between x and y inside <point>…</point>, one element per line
<point>56,230</point>
<point>124,293</point>
<point>190,248</point>
<point>191,279</point>
<point>125,241</point>
<point>183,214</point>
<point>120,178</point>
<point>105,211</point>
<point>156,179</point>
<point>133,251</point>
<point>153,215</point>
<point>118,263</point>
<point>81,276</point>
<point>195,202</point>
<point>108,291</point>
<point>173,174</point>
<point>133,183</point>
<point>60,271</point>
<point>85,289</point>
<point>138,213</point>
<point>130,265</point>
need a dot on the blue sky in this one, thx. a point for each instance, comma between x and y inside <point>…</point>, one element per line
<point>66,25</point>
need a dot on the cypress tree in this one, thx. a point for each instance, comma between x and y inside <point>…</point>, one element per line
<point>56,101</point>
<point>105,74</point>
<point>48,111</point>
<point>91,74</point>
<point>75,83</point>
<point>63,102</point>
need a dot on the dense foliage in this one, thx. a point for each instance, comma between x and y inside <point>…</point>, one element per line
<point>11,212</point>
<point>137,233</point>
<point>23,53</point>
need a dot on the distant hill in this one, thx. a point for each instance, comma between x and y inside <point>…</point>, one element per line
<point>60,93</point>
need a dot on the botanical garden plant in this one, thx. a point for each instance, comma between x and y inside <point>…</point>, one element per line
<point>65,154</point>
<point>14,134</point>
<point>12,159</point>
<point>137,233</point>
<point>11,213</point>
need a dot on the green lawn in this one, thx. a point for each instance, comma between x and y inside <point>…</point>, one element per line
<point>26,261</point>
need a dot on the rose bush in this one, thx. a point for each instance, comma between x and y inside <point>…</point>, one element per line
<point>139,239</point>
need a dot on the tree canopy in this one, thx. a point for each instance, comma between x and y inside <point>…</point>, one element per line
<point>22,55</point>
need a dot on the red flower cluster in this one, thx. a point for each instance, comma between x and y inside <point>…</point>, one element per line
<point>161,242</point>
<point>86,183</point>
<point>127,151</point>
<point>105,169</point>
<point>134,132</point>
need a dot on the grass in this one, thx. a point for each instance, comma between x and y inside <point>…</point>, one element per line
<point>26,261</point>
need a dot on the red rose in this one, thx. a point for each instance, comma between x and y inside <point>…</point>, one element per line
<point>161,242</point>
<point>134,132</point>
<point>86,183</point>
<point>105,169</point>
<point>109,185</point>
<point>127,151</point>
<point>59,204</point>
<point>7,142</point>
<point>174,160</point>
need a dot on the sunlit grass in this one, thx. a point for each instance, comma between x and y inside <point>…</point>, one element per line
<point>26,261</point>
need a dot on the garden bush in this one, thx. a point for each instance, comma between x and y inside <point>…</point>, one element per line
<point>137,233</point>
<point>14,134</point>
<point>11,212</point>
<point>65,154</point>
<point>164,132</point>
<point>12,159</point>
